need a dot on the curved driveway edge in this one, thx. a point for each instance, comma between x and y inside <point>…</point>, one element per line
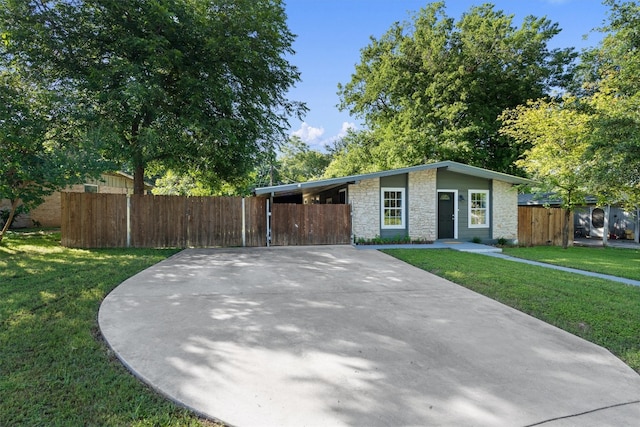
<point>335,336</point>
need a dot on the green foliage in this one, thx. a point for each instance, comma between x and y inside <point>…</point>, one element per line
<point>432,89</point>
<point>604,312</point>
<point>615,98</point>
<point>399,239</point>
<point>356,153</point>
<point>41,151</point>
<point>56,370</point>
<point>190,85</point>
<point>556,135</point>
<point>297,162</point>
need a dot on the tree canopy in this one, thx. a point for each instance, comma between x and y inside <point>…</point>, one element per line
<point>190,85</point>
<point>557,137</point>
<point>40,154</point>
<point>615,100</point>
<point>432,89</point>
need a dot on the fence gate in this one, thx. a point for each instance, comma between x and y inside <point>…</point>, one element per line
<point>538,225</point>
<point>294,224</point>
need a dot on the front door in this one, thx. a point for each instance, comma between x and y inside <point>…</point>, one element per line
<point>446,215</point>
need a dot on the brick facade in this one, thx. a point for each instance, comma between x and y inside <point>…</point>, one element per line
<point>365,207</point>
<point>422,205</point>
<point>505,211</point>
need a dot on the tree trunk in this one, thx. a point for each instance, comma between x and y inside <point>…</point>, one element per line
<point>565,228</point>
<point>14,206</point>
<point>138,180</point>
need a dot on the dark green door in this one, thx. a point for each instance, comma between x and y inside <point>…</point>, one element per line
<point>446,215</point>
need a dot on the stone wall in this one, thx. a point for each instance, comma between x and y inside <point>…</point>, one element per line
<point>422,205</point>
<point>505,211</point>
<point>364,198</point>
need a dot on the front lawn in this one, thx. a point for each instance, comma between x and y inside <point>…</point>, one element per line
<point>601,311</point>
<point>54,368</point>
<point>613,261</point>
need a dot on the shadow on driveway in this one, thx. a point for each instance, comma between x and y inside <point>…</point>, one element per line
<point>330,335</point>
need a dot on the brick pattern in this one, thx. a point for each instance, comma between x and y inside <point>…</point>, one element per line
<point>422,204</point>
<point>364,198</point>
<point>505,211</point>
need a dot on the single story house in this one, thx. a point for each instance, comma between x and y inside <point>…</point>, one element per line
<point>443,200</point>
<point>48,214</point>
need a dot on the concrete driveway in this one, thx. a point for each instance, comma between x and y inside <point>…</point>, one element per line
<point>334,336</point>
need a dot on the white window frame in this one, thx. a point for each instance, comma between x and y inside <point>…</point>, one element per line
<point>487,209</point>
<point>403,208</point>
<point>94,187</point>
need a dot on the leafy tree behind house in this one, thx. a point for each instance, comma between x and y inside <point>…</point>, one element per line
<point>189,85</point>
<point>297,162</point>
<point>432,89</point>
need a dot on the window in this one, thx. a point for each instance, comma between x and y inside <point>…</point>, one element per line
<point>393,208</point>
<point>478,208</point>
<point>90,188</point>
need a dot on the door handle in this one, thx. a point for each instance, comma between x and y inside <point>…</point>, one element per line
<point>453,217</point>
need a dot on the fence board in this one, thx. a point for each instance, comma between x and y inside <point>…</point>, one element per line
<point>293,224</point>
<point>92,220</point>
<point>538,225</point>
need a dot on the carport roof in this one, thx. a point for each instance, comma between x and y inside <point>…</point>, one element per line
<point>333,182</point>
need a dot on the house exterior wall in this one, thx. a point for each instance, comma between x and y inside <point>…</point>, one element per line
<point>365,204</point>
<point>395,181</point>
<point>505,212</point>
<point>422,205</point>
<point>463,183</point>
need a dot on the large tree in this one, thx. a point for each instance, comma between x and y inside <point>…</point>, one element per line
<point>433,89</point>
<point>40,151</point>
<point>194,85</point>
<point>614,95</point>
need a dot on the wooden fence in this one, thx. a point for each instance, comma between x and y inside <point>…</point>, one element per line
<point>293,224</point>
<point>94,220</point>
<point>538,225</point>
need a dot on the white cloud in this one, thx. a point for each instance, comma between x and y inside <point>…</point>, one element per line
<point>313,136</point>
<point>345,128</point>
<point>309,134</point>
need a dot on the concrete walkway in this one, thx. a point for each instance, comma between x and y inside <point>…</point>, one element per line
<point>497,253</point>
<point>335,336</point>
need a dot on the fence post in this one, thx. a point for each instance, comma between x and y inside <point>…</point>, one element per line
<point>128,220</point>
<point>268,225</point>
<point>244,225</point>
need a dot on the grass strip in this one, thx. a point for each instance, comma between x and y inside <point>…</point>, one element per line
<point>601,311</point>
<point>54,368</point>
<point>614,261</point>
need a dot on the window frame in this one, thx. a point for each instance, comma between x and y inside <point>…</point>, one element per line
<point>94,188</point>
<point>471,209</point>
<point>403,204</point>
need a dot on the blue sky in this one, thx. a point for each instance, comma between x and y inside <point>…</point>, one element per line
<point>331,33</point>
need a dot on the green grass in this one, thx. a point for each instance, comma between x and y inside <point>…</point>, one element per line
<point>601,311</point>
<point>54,368</point>
<point>613,261</point>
